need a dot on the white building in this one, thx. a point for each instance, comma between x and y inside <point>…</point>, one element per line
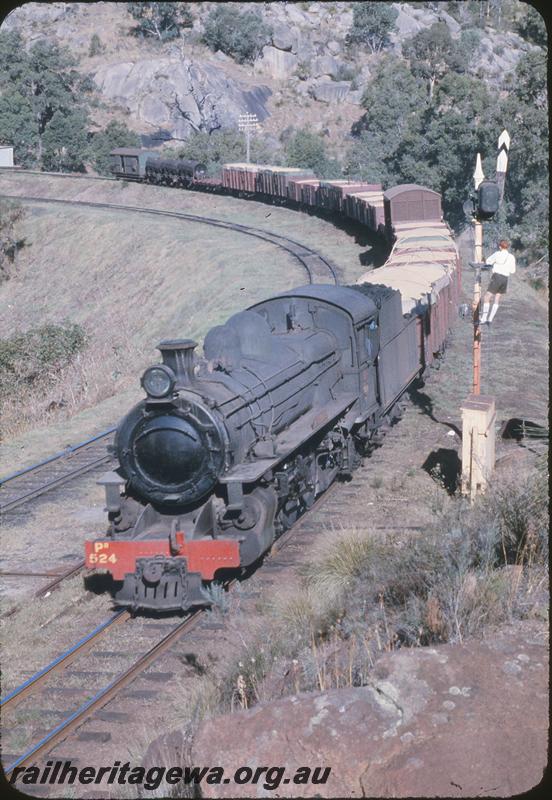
<point>6,155</point>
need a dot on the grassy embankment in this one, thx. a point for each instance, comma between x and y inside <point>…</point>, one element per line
<point>130,281</point>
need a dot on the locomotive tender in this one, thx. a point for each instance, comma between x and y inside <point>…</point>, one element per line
<point>227,450</point>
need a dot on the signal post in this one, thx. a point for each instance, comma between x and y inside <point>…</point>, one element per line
<point>479,411</point>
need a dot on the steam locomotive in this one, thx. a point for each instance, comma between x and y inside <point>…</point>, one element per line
<point>226,451</point>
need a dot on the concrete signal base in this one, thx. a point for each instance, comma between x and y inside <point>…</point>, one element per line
<point>478,443</point>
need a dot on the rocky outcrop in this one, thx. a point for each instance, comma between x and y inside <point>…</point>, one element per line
<point>449,721</point>
<point>279,64</point>
<point>168,90</point>
<point>29,14</point>
<point>175,95</point>
<point>328,91</point>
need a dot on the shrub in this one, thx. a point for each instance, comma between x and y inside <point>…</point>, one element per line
<point>162,21</point>
<point>27,359</point>
<point>344,72</point>
<point>306,149</point>
<point>222,146</point>
<point>96,46</point>
<point>240,35</point>
<point>115,134</point>
<point>475,568</point>
<point>10,244</point>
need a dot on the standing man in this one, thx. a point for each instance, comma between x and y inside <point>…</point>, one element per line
<point>504,265</point>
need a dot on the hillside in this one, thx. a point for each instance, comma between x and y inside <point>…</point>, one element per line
<point>131,281</point>
<point>395,92</point>
<point>305,75</point>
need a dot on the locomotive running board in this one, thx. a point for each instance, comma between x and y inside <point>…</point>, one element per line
<point>290,440</point>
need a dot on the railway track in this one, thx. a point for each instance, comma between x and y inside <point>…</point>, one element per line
<point>24,485</point>
<point>74,175</point>
<point>318,268</point>
<point>87,722</point>
<point>76,717</point>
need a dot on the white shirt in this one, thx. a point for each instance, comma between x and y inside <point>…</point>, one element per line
<point>503,263</point>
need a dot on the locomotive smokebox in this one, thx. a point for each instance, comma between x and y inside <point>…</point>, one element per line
<point>178,354</point>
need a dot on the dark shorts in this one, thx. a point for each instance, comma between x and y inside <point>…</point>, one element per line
<point>498,284</point>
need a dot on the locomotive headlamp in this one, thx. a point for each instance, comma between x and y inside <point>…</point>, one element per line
<point>158,381</point>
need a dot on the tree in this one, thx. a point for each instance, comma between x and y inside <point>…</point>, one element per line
<point>65,141</point>
<point>525,114</point>
<point>440,149</point>
<point>39,88</point>
<point>115,134</point>
<point>394,100</point>
<point>372,25</point>
<point>240,35</point>
<point>306,149</point>
<point>533,27</point>
<point>432,53</point>
<point>160,20</point>
<point>390,99</point>
<point>223,146</point>
<point>18,126</point>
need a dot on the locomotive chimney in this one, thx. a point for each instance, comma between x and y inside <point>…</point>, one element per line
<point>178,354</point>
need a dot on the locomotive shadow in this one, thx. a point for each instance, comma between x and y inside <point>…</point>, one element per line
<point>424,402</point>
<point>445,467</point>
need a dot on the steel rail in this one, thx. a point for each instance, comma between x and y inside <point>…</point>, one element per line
<point>51,484</point>
<point>53,584</point>
<point>14,697</point>
<point>102,697</point>
<point>72,448</point>
<point>285,243</point>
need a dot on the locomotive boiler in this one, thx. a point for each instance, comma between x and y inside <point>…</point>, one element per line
<point>227,450</point>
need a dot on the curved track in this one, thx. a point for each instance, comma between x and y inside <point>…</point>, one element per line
<point>318,268</point>
<point>27,484</point>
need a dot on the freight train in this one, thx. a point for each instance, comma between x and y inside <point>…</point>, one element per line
<point>228,449</point>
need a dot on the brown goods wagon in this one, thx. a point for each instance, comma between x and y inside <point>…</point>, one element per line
<point>239,176</point>
<point>424,225</point>
<point>338,191</point>
<point>296,187</point>
<point>274,180</point>
<point>437,246</point>
<point>229,176</point>
<point>410,202</point>
<point>327,197</point>
<point>287,175</point>
<point>379,214</point>
<point>361,207</point>
<point>310,193</point>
